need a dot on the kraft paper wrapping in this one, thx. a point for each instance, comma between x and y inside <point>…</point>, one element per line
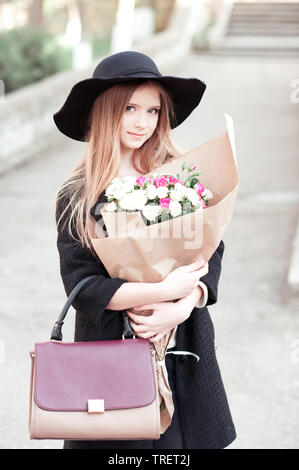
<point>140,253</point>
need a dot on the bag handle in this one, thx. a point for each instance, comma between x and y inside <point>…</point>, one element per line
<point>56,334</point>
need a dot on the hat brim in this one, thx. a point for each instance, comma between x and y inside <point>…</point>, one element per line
<point>72,118</point>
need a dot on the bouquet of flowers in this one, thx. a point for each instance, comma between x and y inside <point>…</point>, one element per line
<point>160,197</point>
<point>159,222</point>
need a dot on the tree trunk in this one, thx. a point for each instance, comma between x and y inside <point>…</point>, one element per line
<point>74,25</point>
<point>35,17</point>
<point>163,10</point>
<point>82,7</point>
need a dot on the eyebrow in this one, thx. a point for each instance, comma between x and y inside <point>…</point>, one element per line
<point>137,105</point>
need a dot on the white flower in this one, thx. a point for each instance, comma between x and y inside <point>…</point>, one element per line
<point>128,187</point>
<point>180,187</point>
<point>151,191</point>
<point>150,212</point>
<point>162,191</point>
<point>129,183</point>
<point>111,207</point>
<point>115,190</point>
<point>118,188</point>
<point>175,195</point>
<point>115,180</point>
<point>110,190</point>
<point>192,196</point>
<point>140,198</point>
<point>129,179</point>
<point>118,192</point>
<point>135,200</point>
<point>175,208</point>
<point>207,194</point>
<point>126,203</point>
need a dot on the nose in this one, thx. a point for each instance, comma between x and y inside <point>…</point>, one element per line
<point>141,121</point>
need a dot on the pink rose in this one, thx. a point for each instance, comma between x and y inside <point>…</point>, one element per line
<point>199,188</point>
<point>164,202</point>
<point>140,180</point>
<point>162,181</point>
<point>174,180</point>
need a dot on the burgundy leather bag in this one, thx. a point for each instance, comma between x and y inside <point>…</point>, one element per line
<point>93,390</point>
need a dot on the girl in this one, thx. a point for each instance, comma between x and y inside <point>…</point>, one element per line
<point>125,112</point>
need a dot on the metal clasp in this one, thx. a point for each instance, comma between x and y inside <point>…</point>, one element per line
<point>96,406</point>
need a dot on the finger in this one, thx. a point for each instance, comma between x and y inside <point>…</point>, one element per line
<point>194,266</point>
<point>134,326</point>
<point>143,331</point>
<point>204,271</point>
<point>149,334</point>
<point>156,338</point>
<point>134,321</point>
<point>139,319</point>
<point>138,328</point>
<point>146,334</point>
<point>205,266</point>
<point>201,272</point>
<point>145,307</point>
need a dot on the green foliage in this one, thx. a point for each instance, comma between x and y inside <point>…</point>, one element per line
<point>29,54</point>
<point>100,46</point>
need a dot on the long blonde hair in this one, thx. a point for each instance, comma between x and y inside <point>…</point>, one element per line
<point>100,162</point>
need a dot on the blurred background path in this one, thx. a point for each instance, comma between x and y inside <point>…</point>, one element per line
<point>256,317</point>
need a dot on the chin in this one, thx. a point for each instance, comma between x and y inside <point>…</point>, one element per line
<point>133,145</point>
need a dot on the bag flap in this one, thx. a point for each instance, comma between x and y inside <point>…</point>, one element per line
<point>120,372</point>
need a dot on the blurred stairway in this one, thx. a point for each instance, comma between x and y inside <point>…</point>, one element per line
<point>261,28</point>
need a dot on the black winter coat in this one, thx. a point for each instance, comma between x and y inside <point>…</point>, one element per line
<point>204,409</point>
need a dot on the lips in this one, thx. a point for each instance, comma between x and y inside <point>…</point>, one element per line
<point>137,135</point>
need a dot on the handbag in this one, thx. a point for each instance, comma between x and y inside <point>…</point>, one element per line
<point>95,390</point>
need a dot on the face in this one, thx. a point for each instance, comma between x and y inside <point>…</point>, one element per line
<point>140,117</point>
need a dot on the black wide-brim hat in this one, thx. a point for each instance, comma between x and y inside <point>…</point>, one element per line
<point>72,118</point>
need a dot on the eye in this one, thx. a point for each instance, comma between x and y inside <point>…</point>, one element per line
<point>154,109</point>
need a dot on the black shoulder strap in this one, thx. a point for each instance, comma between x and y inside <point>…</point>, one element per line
<point>56,331</point>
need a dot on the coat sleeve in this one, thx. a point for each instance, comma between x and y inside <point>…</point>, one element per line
<point>76,263</point>
<point>211,279</point>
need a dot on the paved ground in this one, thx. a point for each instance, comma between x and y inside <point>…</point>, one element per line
<point>257,325</point>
